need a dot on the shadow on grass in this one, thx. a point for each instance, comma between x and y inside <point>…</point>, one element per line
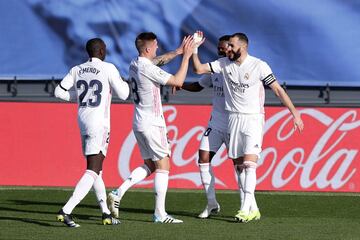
<point>31,220</point>
<point>39,208</point>
<point>59,204</point>
<point>178,214</point>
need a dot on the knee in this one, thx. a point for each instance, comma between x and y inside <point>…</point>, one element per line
<point>204,157</point>
<point>94,162</point>
<point>238,161</point>
<point>150,168</point>
<point>250,165</point>
<point>239,168</point>
<point>201,160</point>
<point>163,164</point>
<point>95,169</point>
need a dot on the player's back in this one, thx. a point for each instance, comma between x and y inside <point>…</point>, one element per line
<point>93,95</point>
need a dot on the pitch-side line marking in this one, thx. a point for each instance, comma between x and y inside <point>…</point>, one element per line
<point>25,188</point>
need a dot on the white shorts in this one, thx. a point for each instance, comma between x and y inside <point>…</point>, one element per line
<point>153,143</point>
<point>246,134</point>
<point>95,143</point>
<point>212,140</point>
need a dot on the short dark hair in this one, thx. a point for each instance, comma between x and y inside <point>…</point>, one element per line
<point>142,39</point>
<point>241,37</point>
<point>94,45</point>
<point>224,38</point>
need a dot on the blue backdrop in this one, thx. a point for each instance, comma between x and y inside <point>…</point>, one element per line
<point>305,42</point>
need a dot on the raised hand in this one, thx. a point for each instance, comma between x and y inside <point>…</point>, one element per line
<point>188,46</point>
<point>180,49</point>
<point>199,38</point>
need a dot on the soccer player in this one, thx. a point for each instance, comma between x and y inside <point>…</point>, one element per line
<point>244,77</point>
<point>216,133</point>
<point>149,123</point>
<point>93,82</point>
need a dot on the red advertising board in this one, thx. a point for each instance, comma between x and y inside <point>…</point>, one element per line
<point>40,146</point>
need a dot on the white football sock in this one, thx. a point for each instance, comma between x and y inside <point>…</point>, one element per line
<point>137,175</point>
<point>208,181</point>
<point>161,185</point>
<point>81,190</point>
<point>240,172</point>
<point>100,191</point>
<point>250,184</point>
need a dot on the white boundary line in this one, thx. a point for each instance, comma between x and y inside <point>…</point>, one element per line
<point>29,188</point>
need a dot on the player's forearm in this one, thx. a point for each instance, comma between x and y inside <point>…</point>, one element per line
<point>199,68</point>
<point>165,58</point>
<point>285,99</point>
<point>180,76</point>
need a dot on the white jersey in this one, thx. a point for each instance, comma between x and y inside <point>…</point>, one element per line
<point>146,79</point>
<point>219,116</point>
<point>243,85</point>
<point>92,81</point>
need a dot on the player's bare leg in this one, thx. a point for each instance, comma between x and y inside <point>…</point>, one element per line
<point>208,181</point>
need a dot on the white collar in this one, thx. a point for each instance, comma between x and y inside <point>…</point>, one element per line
<point>144,59</point>
<point>94,59</point>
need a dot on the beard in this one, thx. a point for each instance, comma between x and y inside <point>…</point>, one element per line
<point>235,55</point>
<point>221,54</point>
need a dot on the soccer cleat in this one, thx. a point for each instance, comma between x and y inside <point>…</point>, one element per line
<point>113,202</point>
<point>67,219</point>
<point>254,215</point>
<point>107,219</point>
<point>241,216</point>
<point>210,210</point>
<point>166,219</point>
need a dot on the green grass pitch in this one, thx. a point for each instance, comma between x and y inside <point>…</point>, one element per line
<point>30,213</point>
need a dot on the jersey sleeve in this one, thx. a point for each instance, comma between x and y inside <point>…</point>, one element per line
<point>205,81</point>
<point>215,66</point>
<point>156,74</point>
<point>69,80</point>
<point>63,91</point>
<point>118,84</point>
<point>266,75</point>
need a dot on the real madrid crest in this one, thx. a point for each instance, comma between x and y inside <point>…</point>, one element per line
<point>246,76</point>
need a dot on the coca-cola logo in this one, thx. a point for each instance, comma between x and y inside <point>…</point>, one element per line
<point>323,164</point>
<point>342,156</point>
